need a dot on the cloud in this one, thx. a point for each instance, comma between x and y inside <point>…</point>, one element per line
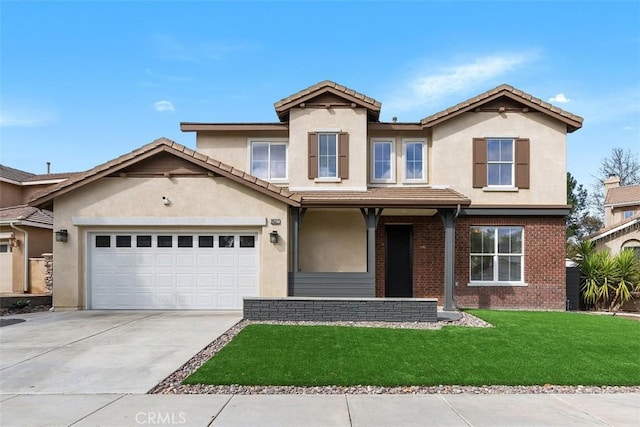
<point>560,99</point>
<point>169,48</point>
<point>26,119</point>
<point>431,86</point>
<point>163,106</point>
<point>628,128</point>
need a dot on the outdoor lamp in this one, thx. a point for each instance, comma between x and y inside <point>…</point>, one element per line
<point>62,235</point>
<point>273,237</point>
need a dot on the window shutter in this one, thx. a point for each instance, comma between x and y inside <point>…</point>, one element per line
<point>343,155</point>
<point>313,155</point>
<point>522,163</point>
<point>479,162</point>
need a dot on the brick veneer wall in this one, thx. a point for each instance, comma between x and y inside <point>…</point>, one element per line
<point>341,309</point>
<point>544,270</point>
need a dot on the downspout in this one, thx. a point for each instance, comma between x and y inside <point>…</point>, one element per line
<point>25,283</point>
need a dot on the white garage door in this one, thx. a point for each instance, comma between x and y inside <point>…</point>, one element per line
<point>172,270</point>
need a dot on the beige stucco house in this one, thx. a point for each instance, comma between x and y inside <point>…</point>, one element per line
<point>467,205</point>
<point>25,231</point>
<point>621,218</point>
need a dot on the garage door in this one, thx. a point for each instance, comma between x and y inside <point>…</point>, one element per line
<point>171,270</point>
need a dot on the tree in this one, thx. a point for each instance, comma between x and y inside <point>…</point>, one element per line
<point>580,222</point>
<point>622,163</point>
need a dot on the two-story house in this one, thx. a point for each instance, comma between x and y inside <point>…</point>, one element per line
<point>467,205</point>
<point>25,231</point>
<point>621,218</point>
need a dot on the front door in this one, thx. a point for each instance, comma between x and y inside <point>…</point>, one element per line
<point>399,261</point>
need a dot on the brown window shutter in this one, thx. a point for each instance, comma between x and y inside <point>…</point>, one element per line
<point>313,155</point>
<point>343,155</point>
<point>479,162</point>
<point>522,163</point>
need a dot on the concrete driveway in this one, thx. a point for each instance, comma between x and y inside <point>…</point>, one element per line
<point>93,352</point>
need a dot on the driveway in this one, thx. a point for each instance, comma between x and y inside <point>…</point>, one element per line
<point>93,352</point>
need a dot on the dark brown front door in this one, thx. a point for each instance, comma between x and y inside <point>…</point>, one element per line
<point>399,261</point>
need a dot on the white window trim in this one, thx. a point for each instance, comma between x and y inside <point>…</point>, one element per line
<point>495,262</point>
<point>509,187</point>
<point>425,161</point>
<point>392,142</point>
<point>270,141</point>
<point>336,177</point>
<point>628,214</point>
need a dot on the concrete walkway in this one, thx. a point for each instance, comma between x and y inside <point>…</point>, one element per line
<point>320,410</point>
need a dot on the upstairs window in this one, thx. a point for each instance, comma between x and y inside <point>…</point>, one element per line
<point>269,160</point>
<point>414,161</point>
<point>328,155</point>
<point>383,159</point>
<point>628,214</point>
<point>501,163</point>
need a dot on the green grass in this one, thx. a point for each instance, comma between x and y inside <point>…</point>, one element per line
<point>524,348</point>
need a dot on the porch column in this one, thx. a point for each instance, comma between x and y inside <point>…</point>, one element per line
<point>448,219</point>
<point>295,212</point>
<point>371,217</point>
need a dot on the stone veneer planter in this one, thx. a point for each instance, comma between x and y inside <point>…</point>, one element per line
<point>342,309</point>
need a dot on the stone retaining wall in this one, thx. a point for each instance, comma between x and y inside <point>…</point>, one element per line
<point>342,309</point>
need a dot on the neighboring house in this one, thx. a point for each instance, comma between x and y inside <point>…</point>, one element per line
<point>25,231</point>
<point>621,218</point>
<point>467,205</point>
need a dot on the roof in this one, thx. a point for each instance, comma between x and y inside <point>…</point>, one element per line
<point>49,177</point>
<point>27,214</point>
<point>619,228</point>
<point>351,96</point>
<point>572,121</point>
<point>386,197</point>
<point>14,174</point>
<point>626,195</point>
<point>156,147</point>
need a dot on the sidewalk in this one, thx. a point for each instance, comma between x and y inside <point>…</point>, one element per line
<point>320,410</point>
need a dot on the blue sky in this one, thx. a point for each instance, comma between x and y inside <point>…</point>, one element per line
<point>82,82</point>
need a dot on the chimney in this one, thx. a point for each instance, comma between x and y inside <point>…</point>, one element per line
<point>612,182</point>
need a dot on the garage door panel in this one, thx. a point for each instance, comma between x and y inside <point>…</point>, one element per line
<point>209,271</point>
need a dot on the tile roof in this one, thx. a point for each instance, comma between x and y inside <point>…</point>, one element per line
<point>622,226</point>
<point>155,147</point>
<point>50,176</point>
<point>626,195</point>
<point>26,213</point>
<point>14,174</point>
<point>386,197</point>
<point>285,103</point>
<point>573,122</point>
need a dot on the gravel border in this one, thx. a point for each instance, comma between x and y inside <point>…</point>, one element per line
<point>173,383</point>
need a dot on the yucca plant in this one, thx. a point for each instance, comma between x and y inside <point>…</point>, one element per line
<point>628,278</point>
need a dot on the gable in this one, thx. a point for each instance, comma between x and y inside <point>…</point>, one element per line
<point>159,158</point>
<point>327,94</point>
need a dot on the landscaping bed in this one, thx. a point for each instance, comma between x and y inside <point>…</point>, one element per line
<point>526,352</point>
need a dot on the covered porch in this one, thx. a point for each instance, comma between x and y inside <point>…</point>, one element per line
<point>375,256</point>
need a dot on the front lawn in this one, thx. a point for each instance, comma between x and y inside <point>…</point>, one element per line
<point>524,348</point>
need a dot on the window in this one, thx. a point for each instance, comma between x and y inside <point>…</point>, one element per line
<point>328,156</point>
<point>165,241</point>
<point>501,163</point>
<point>414,161</point>
<point>382,169</point>
<point>143,241</point>
<point>225,241</point>
<point>205,241</point>
<point>185,241</point>
<point>247,241</point>
<point>628,214</point>
<point>4,248</point>
<point>497,254</point>
<point>103,241</point>
<point>123,241</point>
<point>269,160</point>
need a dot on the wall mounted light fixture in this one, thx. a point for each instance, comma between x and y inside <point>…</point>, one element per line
<point>166,201</point>
<point>62,236</point>
<point>273,237</point>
